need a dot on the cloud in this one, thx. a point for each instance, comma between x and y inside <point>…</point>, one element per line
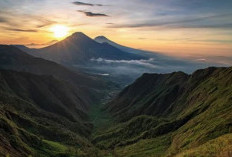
<point>200,22</point>
<point>212,60</point>
<point>211,41</point>
<point>19,20</point>
<point>91,14</point>
<point>103,74</point>
<point>135,68</point>
<point>201,59</point>
<point>33,45</point>
<point>86,4</point>
<point>45,22</point>
<point>20,30</point>
<point>141,62</point>
<point>142,38</point>
<point>3,20</point>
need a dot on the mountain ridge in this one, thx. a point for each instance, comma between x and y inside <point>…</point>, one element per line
<point>103,39</point>
<point>39,111</point>
<point>78,48</point>
<point>90,86</point>
<point>167,114</point>
<point>47,109</point>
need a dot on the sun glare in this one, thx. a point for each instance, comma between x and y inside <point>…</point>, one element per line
<point>59,31</point>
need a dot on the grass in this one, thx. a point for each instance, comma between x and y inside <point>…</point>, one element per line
<point>145,148</point>
<point>99,117</point>
<point>221,146</point>
<point>199,125</point>
<point>199,115</point>
<point>55,146</point>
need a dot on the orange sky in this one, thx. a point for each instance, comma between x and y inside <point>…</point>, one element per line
<point>153,25</point>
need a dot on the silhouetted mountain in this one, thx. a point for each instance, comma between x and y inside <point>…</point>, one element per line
<point>80,49</point>
<point>103,39</point>
<point>121,64</point>
<point>14,59</point>
<point>172,115</point>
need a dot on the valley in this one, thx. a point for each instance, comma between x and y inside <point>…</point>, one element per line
<point>49,108</point>
<point>124,78</point>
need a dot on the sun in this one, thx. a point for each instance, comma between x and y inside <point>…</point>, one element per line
<point>59,31</point>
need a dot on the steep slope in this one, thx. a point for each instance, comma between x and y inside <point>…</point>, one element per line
<point>151,94</point>
<point>47,92</point>
<point>166,114</point>
<point>40,115</point>
<point>15,59</point>
<point>90,87</point>
<point>80,49</point>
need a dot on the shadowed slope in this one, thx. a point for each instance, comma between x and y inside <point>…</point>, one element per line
<point>89,87</point>
<point>36,108</point>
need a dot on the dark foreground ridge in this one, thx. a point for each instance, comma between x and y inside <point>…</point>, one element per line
<point>39,114</point>
<point>44,106</point>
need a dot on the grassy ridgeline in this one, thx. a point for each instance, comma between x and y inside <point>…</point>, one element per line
<point>199,114</point>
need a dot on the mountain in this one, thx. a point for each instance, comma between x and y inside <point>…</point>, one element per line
<point>110,60</point>
<point>44,106</point>
<point>48,110</point>
<point>47,92</point>
<point>80,49</point>
<point>89,86</point>
<point>40,116</point>
<point>103,39</point>
<point>174,114</point>
<point>156,62</point>
<point>151,94</point>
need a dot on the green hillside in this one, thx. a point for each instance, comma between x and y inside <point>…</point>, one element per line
<point>167,114</point>
<point>40,115</point>
<point>50,111</point>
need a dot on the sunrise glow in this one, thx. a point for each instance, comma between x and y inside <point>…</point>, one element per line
<point>59,31</point>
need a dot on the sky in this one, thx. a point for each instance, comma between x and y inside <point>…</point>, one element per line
<point>175,27</point>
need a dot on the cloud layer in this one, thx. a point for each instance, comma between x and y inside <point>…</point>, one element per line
<point>142,62</point>
<point>193,22</point>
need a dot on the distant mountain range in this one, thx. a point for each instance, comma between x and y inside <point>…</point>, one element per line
<point>104,57</point>
<point>79,49</point>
